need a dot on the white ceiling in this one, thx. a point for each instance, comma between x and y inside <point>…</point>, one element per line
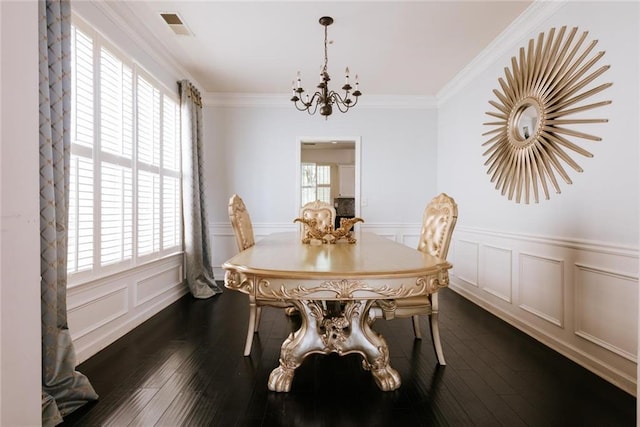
<point>397,48</point>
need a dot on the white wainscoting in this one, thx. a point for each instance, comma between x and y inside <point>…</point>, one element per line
<point>101,311</point>
<point>579,298</point>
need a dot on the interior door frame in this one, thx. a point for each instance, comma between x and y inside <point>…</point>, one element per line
<point>327,140</point>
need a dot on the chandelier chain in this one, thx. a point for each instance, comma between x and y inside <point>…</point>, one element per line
<point>326,50</point>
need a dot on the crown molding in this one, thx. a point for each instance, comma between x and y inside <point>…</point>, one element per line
<point>216,99</point>
<point>518,30</point>
<point>122,14</point>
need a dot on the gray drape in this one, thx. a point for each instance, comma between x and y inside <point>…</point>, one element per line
<point>196,234</point>
<point>63,388</point>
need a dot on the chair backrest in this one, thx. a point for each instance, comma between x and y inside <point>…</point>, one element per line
<point>438,221</point>
<point>241,223</point>
<point>323,212</point>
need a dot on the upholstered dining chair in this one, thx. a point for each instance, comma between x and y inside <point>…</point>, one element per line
<point>438,222</point>
<point>323,212</point>
<point>243,230</point>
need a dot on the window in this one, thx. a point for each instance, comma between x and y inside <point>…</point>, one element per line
<point>316,183</point>
<point>124,197</point>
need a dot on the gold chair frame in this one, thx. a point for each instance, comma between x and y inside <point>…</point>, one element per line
<point>438,221</point>
<point>323,212</point>
<point>243,230</point>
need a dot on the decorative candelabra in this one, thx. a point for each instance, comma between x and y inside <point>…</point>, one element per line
<point>327,234</point>
<point>324,97</point>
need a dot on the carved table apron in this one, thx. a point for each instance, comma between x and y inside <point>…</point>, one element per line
<point>333,286</point>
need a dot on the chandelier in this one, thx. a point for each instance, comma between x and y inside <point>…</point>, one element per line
<point>323,97</point>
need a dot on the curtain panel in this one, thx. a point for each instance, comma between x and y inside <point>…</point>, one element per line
<point>198,267</point>
<point>63,388</point>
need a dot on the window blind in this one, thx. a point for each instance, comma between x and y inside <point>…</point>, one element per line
<point>124,196</point>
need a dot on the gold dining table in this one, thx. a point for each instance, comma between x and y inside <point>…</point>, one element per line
<point>334,286</point>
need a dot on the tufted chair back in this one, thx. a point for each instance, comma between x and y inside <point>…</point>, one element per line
<point>323,212</point>
<point>438,221</point>
<point>241,223</point>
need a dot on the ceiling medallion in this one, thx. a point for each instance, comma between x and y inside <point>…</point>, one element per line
<point>324,97</point>
<point>544,89</point>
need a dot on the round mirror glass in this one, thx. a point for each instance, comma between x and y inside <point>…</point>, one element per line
<point>527,122</point>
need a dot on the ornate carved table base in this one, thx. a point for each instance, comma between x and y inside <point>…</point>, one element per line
<point>335,327</point>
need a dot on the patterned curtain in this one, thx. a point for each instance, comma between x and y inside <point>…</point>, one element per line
<point>196,234</point>
<point>63,388</point>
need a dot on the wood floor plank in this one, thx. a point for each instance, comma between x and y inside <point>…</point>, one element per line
<point>184,367</point>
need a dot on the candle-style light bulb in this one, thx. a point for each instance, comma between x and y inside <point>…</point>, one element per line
<point>357,82</point>
<point>298,79</point>
<point>307,99</point>
<point>346,73</point>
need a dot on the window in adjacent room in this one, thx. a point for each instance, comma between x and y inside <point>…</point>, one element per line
<point>316,183</point>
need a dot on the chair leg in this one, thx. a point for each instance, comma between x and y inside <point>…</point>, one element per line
<point>416,326</point>
<point>435,336</point>
<point>435,330</point>
<point>253,326</point>
<point>258,315</point>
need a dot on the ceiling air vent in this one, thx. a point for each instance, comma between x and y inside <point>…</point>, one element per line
<point>175,23</point>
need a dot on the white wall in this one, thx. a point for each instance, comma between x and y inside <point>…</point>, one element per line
<point>566,269</point>
<point>20,349</point>
<point>253,151</point>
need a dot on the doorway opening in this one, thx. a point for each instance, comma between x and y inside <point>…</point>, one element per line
<point>329,170</point>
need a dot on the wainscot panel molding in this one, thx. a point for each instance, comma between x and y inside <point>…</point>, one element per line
<point>105,309</point>
<point>620,294</point>
<point>469,251</point>
<point>578,297</point>
<point>542,287</point>
<point>223,241</point>
<point>496,272</point>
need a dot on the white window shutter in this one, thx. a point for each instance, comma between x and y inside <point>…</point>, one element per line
<point>124,196</point>
<point>148,213</point>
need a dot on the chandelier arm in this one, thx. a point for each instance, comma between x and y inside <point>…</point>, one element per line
<point>346,107</point>
<point>315,99</point>
<point>305,108</point>
<point>337,99</point>
<point>315,108</point>
<point>355,101</point>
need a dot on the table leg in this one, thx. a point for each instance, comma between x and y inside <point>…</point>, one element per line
<point>298,345</point>
<point>375,351</point>
<point>341,327</point>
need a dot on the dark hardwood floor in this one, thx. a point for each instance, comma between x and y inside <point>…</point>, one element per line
<point>184,367</point>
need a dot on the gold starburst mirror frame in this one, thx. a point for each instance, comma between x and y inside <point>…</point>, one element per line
<point>545,88</point>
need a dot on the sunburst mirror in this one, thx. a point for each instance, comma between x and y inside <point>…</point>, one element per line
<point>544,91</point>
